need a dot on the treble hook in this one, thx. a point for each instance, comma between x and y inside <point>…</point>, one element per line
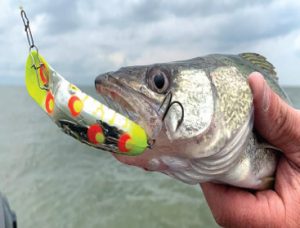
<point>169,105</point>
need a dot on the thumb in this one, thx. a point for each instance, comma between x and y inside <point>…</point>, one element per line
<point>275,120</point>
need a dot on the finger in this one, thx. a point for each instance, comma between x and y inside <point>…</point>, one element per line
<point>275,120</point>
<point>236,207</point>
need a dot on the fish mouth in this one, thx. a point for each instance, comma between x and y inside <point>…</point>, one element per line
<point>130,103</point>
<point>114,95</point>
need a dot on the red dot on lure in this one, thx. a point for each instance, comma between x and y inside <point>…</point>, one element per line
<point>75,105</point>
<point>95,134</point>
<point>49,103</point>
<point>44,73</point>
<point>122,144</point>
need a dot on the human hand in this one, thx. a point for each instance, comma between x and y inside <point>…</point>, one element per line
<point>279,124</point>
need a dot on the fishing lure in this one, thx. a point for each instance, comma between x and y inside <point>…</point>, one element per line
<point>76,113</point>
<point>80,115</point>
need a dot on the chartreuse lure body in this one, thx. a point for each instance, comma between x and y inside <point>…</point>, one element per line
<point>78,114</point>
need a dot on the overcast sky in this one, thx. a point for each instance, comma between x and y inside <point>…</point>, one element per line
<point>81,38</point>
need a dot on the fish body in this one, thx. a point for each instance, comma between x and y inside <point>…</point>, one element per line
<point>207,133</point>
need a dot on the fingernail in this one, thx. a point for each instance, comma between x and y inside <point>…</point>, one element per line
<point>266,97</point>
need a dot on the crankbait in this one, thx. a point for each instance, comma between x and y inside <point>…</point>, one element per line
<point>76,113</point>
<point>80,115</point>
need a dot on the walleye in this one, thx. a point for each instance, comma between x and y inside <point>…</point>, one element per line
<point>199,113</point>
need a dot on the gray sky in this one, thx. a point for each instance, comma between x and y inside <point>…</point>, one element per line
<point>82,39</point>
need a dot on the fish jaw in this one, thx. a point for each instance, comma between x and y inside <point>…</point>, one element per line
<point>137,107</point>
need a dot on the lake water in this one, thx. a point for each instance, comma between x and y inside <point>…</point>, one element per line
<point>51,180</point>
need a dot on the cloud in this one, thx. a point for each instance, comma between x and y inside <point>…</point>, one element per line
<point>84,38</point>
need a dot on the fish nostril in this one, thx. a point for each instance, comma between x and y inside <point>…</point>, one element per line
<point>98,81</point>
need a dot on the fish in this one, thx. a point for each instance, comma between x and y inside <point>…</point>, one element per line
<point>198,115</point>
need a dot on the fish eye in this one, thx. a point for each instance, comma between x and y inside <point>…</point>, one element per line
<point>158,81</point>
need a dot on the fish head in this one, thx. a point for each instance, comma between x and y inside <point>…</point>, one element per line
<point>127,92</point>
<point>173,102</point>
